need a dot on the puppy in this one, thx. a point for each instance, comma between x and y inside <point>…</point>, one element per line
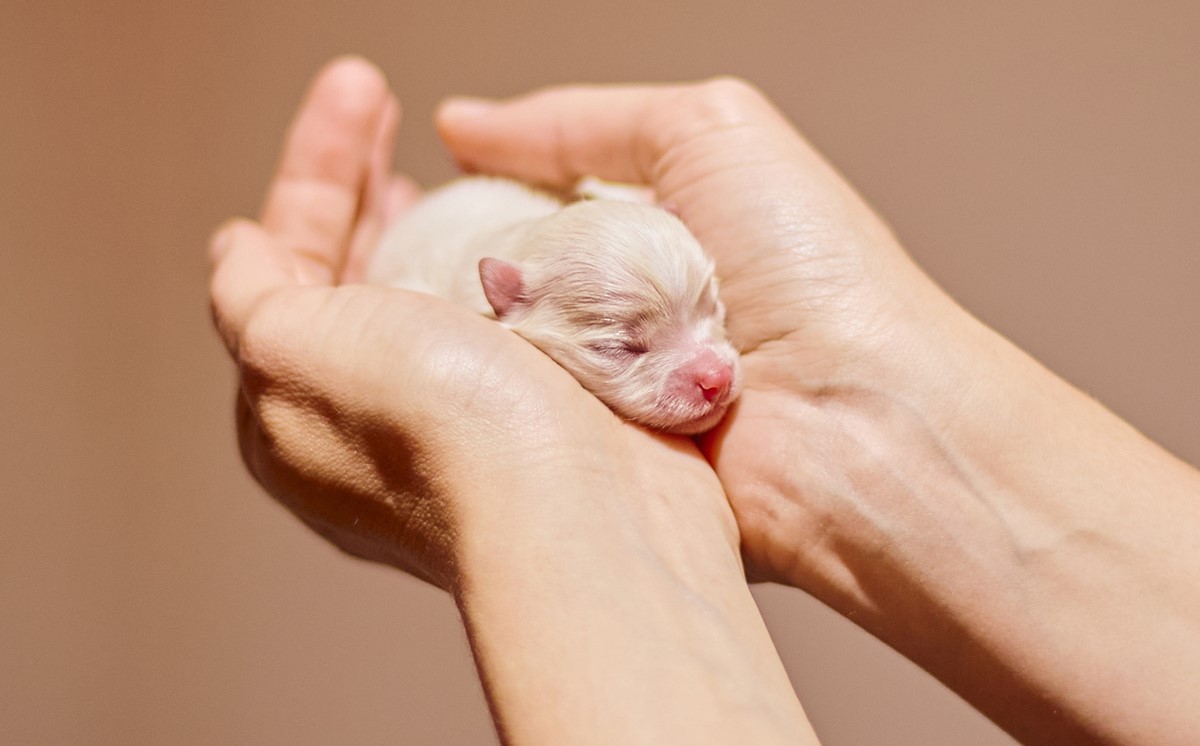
<point>617,292</point>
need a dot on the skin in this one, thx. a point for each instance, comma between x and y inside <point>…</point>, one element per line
<point>407,430</point>
<point>889,454</point>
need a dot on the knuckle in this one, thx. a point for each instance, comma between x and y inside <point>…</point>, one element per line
<point>696,113</point>
<point>264,342</point>
<point>731,88</point>
<point>711,107</point>
<point>724,102</point>
<point>259,342</point>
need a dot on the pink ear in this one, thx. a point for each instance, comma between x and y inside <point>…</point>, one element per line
<point>503,286</point>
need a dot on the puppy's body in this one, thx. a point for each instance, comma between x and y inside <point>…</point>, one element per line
<point>618,293</point>
<point>437,245</point>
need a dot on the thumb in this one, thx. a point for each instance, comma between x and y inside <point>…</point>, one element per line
<point>621,133</point>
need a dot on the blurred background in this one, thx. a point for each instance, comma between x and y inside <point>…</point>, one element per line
<point>1040,159</point>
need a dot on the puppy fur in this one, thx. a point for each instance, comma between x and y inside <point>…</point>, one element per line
<point>618,293</point>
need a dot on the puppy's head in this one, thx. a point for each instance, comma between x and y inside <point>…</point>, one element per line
<point>623,297</point>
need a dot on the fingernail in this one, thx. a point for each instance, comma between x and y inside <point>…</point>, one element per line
<point>466,107</point>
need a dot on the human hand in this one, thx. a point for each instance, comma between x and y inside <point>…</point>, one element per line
<point>390,422</point>
<point>589,557</point>
<point>825,306</point>
<point>890,454</point>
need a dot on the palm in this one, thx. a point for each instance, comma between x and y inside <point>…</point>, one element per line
<point>804,328</point>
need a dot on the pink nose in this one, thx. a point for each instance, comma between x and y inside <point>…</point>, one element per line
<point>714,383</point>
<point>711,375</point>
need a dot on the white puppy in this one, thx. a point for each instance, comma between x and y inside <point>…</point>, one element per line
<point>618,293</point>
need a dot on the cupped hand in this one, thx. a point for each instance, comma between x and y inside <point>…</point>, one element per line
<point>393,423</point>
<point>832,317</point>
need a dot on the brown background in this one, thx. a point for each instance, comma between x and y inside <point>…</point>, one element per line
<point>1039,158</point>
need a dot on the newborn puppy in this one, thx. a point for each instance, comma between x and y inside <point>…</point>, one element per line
<point>616,292</point>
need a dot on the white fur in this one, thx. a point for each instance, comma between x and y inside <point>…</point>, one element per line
<point>618,293</point>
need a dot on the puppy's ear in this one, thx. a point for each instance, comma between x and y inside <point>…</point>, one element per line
<point>503,286</point>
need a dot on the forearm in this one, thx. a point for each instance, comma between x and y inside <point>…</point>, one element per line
<point>1014,538</point>
<point>618,613</point>
<point>1088,531</point>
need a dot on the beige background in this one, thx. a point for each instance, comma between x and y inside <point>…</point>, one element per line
<point>1039,158</point>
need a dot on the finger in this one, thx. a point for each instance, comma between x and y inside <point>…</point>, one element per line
<point>372,215</point>
<point>399,194</point>
<point>313,202</point>
<point>553,137</point>
<point>402,194</point>
<point>618,133</point>
<point>247,267</point>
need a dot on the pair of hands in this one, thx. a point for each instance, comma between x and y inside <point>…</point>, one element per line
<point>375,414</point>
<point>889,454</point>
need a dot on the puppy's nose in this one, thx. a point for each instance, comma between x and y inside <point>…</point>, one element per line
<point>714,383</point>
<point>711,375</point>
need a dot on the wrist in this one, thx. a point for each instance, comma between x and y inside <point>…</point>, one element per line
<point>1060,548</point>
<point>969,506</point>
<point>617,594</point>
<point>925,471</point>
<point>609,500</point>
